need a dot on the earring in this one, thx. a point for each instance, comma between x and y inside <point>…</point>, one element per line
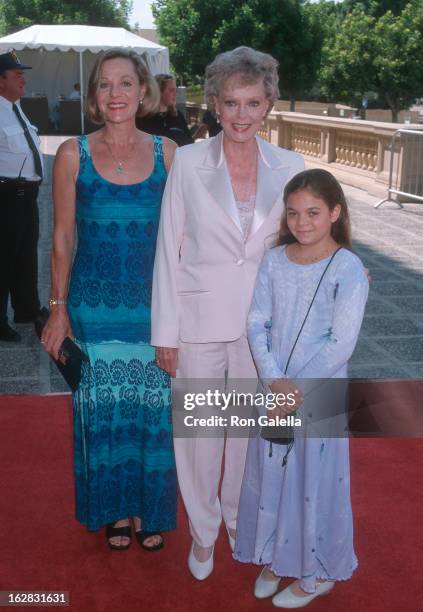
<point>141,101</point>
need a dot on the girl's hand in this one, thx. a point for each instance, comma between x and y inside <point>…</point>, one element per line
<point>293,397</point>
<point>55,331</point>
<point>167,359</point>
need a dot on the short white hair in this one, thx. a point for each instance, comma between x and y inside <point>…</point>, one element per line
<point>249,64</point>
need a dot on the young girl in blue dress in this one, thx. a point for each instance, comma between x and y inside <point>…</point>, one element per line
<point>295,513</point>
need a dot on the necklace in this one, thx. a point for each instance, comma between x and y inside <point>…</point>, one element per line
<point>120,163</point>
<point>243,190</point>
<point>297,258</point>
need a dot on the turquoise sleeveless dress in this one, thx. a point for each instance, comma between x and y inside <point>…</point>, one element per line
<point>123,450</point>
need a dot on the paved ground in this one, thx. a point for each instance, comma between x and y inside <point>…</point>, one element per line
<point>390,242</point>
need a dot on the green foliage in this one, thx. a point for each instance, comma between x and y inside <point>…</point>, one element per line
<point>282,29</point>
<point>367,48</point>
<point>347,59</point>
<point>377,8</point>
<point>196,30</point>
<point>397,61</point>
<point>19,14</point>
<point>187,28</point>
<point>379,54</point>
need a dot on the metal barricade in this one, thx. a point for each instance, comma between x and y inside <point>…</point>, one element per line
<point>406,167</point>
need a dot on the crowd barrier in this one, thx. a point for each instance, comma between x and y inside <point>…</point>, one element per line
<point>405,169</point>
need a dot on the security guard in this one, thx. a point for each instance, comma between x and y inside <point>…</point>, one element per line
<point>21,172</point>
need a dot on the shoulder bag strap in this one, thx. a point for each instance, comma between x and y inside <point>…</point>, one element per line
<point>309,308</point>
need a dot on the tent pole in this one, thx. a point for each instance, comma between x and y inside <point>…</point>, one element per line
<point>81,81</point>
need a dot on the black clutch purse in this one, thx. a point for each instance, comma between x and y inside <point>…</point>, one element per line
<point>71,357</point>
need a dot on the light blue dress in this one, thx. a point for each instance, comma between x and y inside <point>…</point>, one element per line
<point>298,518</point>
<point>123,450</point>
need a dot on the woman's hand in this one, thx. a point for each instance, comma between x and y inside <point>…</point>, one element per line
<point>167,359</point>
<point>56,330</point>
<point>293,398</point>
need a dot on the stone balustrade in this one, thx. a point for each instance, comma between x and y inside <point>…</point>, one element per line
<point>358,152</point>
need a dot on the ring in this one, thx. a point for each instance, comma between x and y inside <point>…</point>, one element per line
<point>296,391</point>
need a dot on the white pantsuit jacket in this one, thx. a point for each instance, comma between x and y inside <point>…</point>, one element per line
<point>205,270</point>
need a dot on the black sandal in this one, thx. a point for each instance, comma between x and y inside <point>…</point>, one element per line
<point>118,532</point>
<point>142,536</point>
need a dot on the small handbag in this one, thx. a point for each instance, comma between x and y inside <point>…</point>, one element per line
<point>284,434</point>
<point>71,357</point>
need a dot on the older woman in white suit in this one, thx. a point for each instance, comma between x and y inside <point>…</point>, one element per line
<point>221,209</point>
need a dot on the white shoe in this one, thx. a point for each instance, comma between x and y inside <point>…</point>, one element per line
<point>265,588</point>
<point>287,599</point>
<point>200,569</point>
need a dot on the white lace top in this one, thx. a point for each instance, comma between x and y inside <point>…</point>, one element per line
<point>246,213</point>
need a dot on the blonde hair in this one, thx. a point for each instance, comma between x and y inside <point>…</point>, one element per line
<point>162,80</point>
<point>152,95</point>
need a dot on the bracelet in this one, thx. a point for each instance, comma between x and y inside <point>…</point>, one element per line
<point>56,302</point>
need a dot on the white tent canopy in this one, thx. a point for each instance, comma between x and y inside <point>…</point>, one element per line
<point>62,55</point>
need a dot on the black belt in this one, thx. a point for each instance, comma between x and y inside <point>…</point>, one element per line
<point>18,182</point>
<point>18,187</point>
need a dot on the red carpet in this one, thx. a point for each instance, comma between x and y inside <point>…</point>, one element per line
<point>44,548</point>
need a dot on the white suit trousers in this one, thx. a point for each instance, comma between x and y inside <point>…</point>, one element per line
<point>199,460</point>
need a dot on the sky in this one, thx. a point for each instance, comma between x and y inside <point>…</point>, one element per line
<point>142,13</point>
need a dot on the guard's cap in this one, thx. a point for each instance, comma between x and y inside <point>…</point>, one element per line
<point>10,61</point>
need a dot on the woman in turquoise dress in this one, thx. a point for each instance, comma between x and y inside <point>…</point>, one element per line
<point>110,186</point>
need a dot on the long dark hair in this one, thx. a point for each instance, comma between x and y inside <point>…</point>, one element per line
<point>322,184</point>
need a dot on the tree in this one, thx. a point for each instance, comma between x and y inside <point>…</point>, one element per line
<point>397,61</point>
<point>347,70</point>
<point>187,28</point>
<point>18,14</point>
<point>377,8</point>
<point>326,13</point>
<point>377,54</point>
<point>283,29</point>
<point>196,30</point>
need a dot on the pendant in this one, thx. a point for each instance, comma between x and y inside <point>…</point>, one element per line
<point>119,168</point>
